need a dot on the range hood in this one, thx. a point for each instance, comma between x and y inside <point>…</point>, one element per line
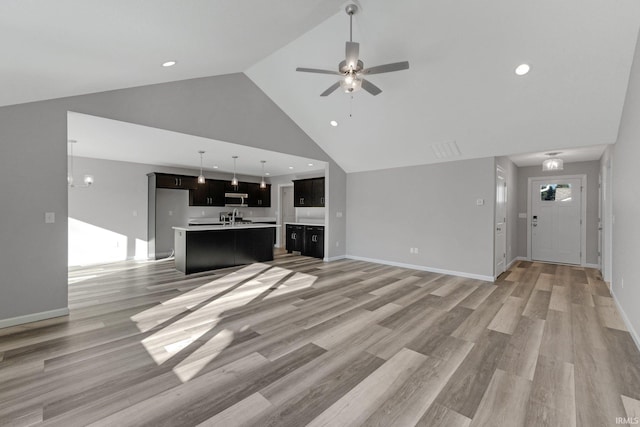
<point>236,200</point>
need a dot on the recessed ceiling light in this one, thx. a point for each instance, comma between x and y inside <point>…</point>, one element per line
<point>290,167</point>
<point>333,123</point>
<point>522,69</point>
<point>169,63</point>
<point>215,166</point>
<point>267,173</point>
<point>310,164</point>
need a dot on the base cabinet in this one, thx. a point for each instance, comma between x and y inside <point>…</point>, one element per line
<point>295,238</point>
<point>314,242</point>
<point>209,250</point>
<point>306,239</point>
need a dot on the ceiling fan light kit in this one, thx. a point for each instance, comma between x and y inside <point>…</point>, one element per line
<point>352,70</point>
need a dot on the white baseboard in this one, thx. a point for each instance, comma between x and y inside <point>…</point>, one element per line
<point>627,322</point>
<point>522,258</point>
<point>596,266</point>
<point>28,318</point>
<point>334,258</point>
<point>422,268</point>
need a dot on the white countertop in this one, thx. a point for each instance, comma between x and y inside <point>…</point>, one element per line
<point>224,227</point>
<point>260,218</point>
<point>313,224</point>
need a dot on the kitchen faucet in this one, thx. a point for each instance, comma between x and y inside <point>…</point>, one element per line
<point>233,216</point>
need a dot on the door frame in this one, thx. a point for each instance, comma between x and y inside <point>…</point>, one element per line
<point>500,169</point>
<point>583,213</point>
<point>280,216</point>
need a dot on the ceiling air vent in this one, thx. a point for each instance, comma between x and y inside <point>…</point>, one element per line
<point>446,150</point>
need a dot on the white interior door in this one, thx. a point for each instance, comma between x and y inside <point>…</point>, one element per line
<point>556,214</point>
<point>501,223</point>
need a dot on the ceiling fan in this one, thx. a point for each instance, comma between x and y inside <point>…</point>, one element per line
<point>352,68</point>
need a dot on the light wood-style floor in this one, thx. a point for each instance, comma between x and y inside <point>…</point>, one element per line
<point>300,342</point>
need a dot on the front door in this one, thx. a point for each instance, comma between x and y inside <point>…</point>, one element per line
<point>501,223</point>
<point>556,215</point>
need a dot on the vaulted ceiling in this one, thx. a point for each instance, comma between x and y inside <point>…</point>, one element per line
<point>460,95</point>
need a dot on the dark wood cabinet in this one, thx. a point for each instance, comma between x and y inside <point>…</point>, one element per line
<point>178,182</point>
<point>308,193</point>
<point>306,239</point>
<point>242,187</point>
<point>295,238</point>
<point>259,197</point>
<point>317,192</point>
<point>211,193</point>
<point>302,193</point>
<point>211,249</point>
<point>314,241</point>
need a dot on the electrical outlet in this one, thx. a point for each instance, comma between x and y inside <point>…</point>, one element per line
<point>135,213</point>
<point>49,217</point>
<point>415,250</point>
<point>410,250</point>
<point>337,243</point>
<point>170,213</point>
<point>338,214</point>
<point>622,282</point>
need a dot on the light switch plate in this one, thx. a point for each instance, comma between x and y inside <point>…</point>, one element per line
<point>522,215</point>
<point>479,202</point>
<point>49,217</point>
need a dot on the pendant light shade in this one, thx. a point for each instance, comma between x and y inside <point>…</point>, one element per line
<point>234,181</point>
<point>552,163</point>
<point>201,179</point>
<point>262,183</point>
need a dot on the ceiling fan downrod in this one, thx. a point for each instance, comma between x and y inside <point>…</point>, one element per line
<point>351,10</point>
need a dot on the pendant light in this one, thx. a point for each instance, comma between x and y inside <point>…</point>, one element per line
<point>262,183</point>
<point>201,179</point>
<point>88,179</point>
<point>552,163</point>
<point>234,181</point>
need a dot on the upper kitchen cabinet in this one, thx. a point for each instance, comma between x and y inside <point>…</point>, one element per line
<point>259,197</point>
<point>242,187</point>
<point>211,193</point>
<point>308,193</point>
<point>178,182</point>
<point>317,192</point>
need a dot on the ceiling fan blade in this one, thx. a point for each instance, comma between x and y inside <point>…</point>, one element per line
<point>370,87</point>
<point>315,70</point>
<point>386,68</point>
<point>352,52</point>
<point>332,88</point>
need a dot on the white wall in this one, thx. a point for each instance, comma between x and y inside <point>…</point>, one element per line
<point>592,170</point>
<point>626,204</point>
<point>33,168</point>
<point>432,208</point>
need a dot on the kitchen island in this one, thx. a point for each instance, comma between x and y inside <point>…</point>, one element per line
<point>203,248</point>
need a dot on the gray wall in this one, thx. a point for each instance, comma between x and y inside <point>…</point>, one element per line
<point>431,207</point>
<point>511,174</point>
<point>626,203</point>
<point>33,167</point>
<point>592,170</point>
